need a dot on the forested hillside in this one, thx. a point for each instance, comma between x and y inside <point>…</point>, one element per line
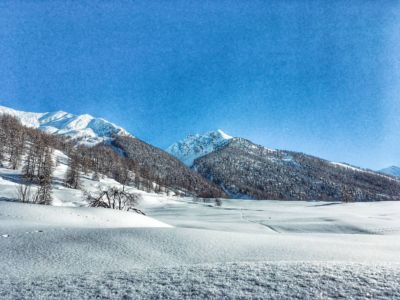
<point>161,167</point>
<point>246,170</point>
<point>148,169</point>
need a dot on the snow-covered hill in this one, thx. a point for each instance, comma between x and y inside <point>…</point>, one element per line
<point>393,170</point>
<point>85,129</point>
<point>254,250</point>
<point>195,146</point>
<point>62,195</point>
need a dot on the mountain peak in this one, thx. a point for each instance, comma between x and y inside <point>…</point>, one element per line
<point>392,170</point>
<point>224,135</point>
<point>85,129</point>
<point>197,145</point>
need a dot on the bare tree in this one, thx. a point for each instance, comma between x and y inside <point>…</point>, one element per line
<point>95,176</point>
<point>12,138</point>
<point>347,194</point>
<point>72,178</point>
<point>114,198</point>
<point>23,192</point>
<point>43,194</point>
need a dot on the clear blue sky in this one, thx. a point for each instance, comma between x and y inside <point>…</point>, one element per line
<point>321,77</point>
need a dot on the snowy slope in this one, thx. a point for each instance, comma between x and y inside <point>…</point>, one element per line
<point>85,129</point>
<point>194,146</point>
<point>393,170</point>
<point>239,249</point>
<point>73,253</point>
<point>22,216</point>
<point>62,195</point>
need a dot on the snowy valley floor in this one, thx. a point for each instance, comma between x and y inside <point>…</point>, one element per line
<point>243,249</point>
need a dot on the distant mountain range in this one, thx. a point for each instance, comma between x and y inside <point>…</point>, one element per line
<point>215,164</point>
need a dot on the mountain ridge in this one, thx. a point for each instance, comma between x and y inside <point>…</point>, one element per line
<point>194,146</point>
<point>247,170</point>
<point>222,165</point>
<point>84,129</point>
<point>392,170</point>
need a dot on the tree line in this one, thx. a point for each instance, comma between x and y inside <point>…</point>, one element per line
<point>128,161</point>
<point>33,150</point>
<point>248,170</point>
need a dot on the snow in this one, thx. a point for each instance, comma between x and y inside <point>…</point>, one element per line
<point>62,195</point>
<point>356,169</point>
<point>280,217</point>
<point>347,166</point>
<point>393,170</point>
<point>224,135</point>
<point>191,248</point>
<point>195,146</point>
<point>21,216</point>
<point>86,129</point>
<point>54,252</point>
<point>219,281</point>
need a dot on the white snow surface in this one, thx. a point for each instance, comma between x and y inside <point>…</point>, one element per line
<point>212,252</point>
<point>193,249</point>
<point>263,280</point>
<point>382,173</point>
<point>198,145</point>
<point>85,129</point>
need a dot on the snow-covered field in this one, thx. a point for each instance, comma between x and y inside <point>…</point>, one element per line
<point>186,248</point>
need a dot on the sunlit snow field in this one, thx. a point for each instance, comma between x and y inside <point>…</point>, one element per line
<point>190,248</point>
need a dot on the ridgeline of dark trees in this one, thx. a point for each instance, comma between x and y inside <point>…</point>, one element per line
<point>140,165</point>
<point>244,169</point>
<point>161,167</point>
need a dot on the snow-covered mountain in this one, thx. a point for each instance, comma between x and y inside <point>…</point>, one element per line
<point>197,145</point>
<point>393,170</point>
<point>85,129</point>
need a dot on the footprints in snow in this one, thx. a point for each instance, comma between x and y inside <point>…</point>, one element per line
<point>94,218</point>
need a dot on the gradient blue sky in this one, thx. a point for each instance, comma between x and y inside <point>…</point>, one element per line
<point>321,77</point>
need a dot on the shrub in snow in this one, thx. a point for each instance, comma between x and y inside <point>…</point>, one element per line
<point>24,193</point>
<point>114,198</point>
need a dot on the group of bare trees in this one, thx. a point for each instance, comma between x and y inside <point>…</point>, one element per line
<point>147,171</point>
<point>31,149</point>
<point>157,166</point>
<point>12,139</point>
<point>72,178</point>
<point>38,167</point>
<point>102,160</point>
